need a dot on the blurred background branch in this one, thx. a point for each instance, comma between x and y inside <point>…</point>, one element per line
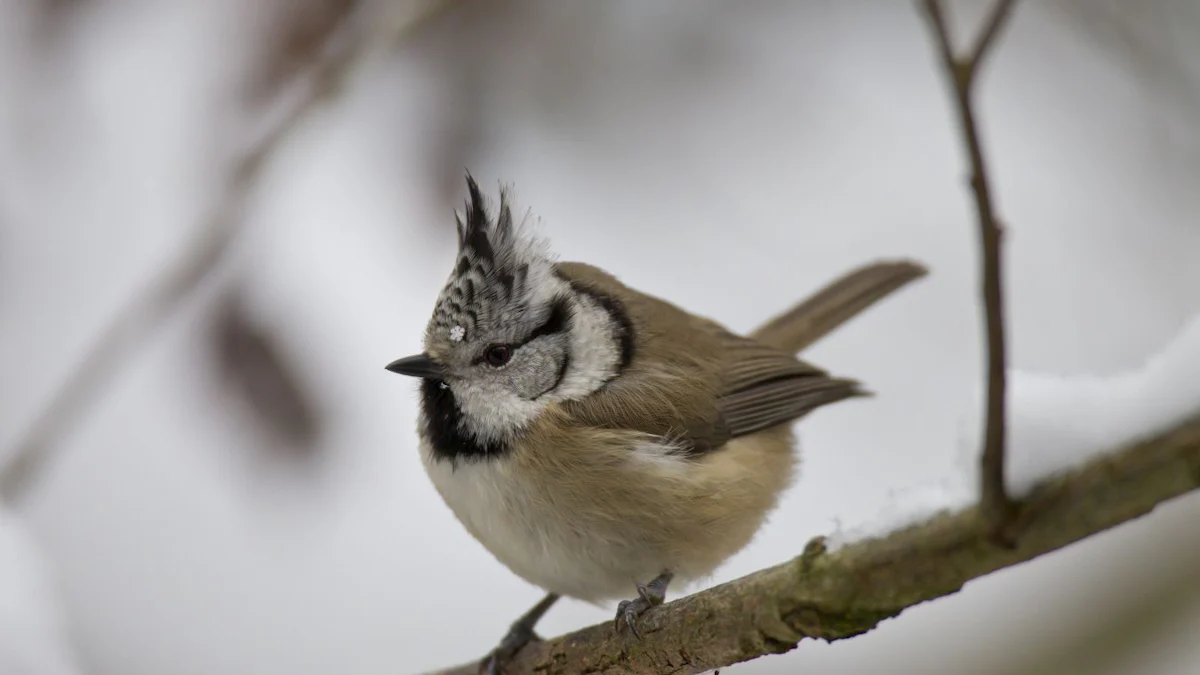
<point>311,55</point>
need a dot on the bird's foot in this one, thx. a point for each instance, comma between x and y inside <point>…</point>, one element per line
<point>520,634</point>
<point>517,637</point>
<point>649,595</point>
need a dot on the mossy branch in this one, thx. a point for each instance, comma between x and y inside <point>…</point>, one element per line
<point>836,595</point>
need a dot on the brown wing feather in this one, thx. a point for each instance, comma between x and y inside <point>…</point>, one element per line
<point>720,387</point>
<point>764,387</point>
<point>749,362</point>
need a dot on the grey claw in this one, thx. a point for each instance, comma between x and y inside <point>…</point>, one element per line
<point>628,612</point>
<point>649,595</point>
<point>631,617</point>
<point>620,614</point>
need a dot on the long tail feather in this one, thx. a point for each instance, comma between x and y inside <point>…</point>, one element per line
<point>839,301</point>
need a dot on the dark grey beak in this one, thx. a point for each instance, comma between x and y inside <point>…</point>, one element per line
<point>418,365</point>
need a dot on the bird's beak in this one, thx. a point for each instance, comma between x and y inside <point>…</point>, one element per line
<point>418,365</point>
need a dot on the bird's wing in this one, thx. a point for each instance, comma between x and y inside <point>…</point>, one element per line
<point>762,387</point>
<point>758,387</point>
<point>693,381</point>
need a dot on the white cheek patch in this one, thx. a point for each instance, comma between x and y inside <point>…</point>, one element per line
<point>594,351</point>
<point>493,413</point>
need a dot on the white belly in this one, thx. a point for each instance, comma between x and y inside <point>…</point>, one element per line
<point>546,549</point>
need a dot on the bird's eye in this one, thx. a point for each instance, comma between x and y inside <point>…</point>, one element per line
<point>498,355</point>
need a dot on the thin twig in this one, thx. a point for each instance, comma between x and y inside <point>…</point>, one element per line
<point>142,316</point>
<point>996,20</point>
<point>996,504</point>
<point>847,592</point>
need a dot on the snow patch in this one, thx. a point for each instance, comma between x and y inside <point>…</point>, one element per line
<point>1056,423</point>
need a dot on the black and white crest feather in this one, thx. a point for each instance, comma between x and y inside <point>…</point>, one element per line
<point>499,270</point>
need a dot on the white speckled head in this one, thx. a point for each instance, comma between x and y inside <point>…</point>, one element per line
<point>509,336</point>
<point>502,274</point>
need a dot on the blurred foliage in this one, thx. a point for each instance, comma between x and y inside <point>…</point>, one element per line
<point>257,371</point>
<point>299,29</point>
<point>568,55</point>
<point>53,19</point>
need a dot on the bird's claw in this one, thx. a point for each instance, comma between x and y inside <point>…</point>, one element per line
<point>629,611</point>
<point>649,595</point>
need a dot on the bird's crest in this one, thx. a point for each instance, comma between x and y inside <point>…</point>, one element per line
<point>497,273</point>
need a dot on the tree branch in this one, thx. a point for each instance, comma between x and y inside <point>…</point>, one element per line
<point>832,596</point>
<point>961,71</point>
<point>991,28</point>
<point>143,315</point>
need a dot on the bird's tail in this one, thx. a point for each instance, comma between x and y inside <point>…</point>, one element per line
<point>835,304</point>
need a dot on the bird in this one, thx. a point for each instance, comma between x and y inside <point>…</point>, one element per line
<point>600,442</point>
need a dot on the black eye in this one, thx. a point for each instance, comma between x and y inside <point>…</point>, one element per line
<point>498,355</point>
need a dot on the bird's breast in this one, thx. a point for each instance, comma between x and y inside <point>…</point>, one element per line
<point>511,514</point>
<point>591,518</point>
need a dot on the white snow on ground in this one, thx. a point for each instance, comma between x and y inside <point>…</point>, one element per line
<point>1061,422</point>
<point>1056,423</point>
